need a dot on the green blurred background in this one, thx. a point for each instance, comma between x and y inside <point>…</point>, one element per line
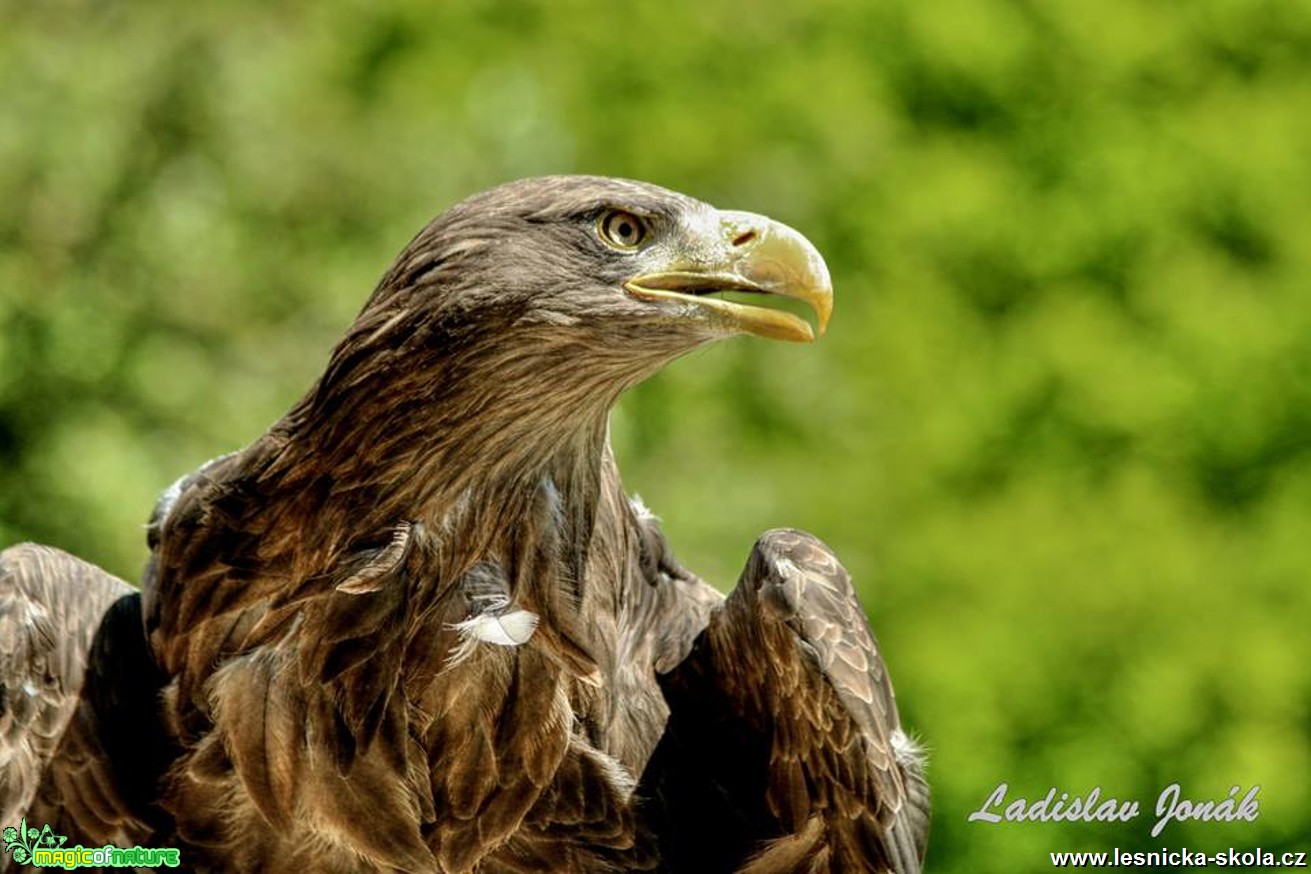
<point>1060,429</point>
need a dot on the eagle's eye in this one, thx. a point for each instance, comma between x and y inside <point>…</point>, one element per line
<point>623,230</point>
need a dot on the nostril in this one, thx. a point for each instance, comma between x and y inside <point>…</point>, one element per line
<point>743,238</point>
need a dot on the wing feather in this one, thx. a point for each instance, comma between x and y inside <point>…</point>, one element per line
<point>73,663</point>
<point>784,731</point>
<point>50,607</point>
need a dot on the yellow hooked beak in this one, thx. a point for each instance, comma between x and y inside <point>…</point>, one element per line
<point>756,255</point>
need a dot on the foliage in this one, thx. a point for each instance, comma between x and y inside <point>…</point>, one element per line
<point>1060,428</point>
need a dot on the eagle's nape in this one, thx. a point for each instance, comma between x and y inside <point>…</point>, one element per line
<point>419,625</point>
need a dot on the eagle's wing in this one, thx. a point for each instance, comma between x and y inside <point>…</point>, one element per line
<point>66,632</point>
<point>784,751</point>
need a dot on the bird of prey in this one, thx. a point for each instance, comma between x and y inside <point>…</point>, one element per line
<point>418,625</point>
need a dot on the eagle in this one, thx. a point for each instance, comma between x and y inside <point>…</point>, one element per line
<point>419,625</point>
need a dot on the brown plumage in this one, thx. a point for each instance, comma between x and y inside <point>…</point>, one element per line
<point>419,626</point>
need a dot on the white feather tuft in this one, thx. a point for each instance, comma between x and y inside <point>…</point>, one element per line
<point>640,509</point>
<point>505,629</point>
<point>908,752</point>
<point>508,629</point>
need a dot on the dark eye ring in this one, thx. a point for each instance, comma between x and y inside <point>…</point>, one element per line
<point>623,230</point>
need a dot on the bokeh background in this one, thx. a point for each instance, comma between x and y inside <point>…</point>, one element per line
<point>1060,429</point>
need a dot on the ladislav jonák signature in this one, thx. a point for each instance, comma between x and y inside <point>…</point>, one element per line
<point>1092,807</point>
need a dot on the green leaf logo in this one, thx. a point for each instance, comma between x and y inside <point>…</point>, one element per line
<point>20,842</point>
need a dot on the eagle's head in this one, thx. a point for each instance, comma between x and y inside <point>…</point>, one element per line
<point>515,318</point>
<point>608,263</point>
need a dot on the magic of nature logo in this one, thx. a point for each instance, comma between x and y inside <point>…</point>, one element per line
<point>42,848</point>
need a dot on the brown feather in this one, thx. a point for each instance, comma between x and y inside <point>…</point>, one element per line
<point>262,718</point>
